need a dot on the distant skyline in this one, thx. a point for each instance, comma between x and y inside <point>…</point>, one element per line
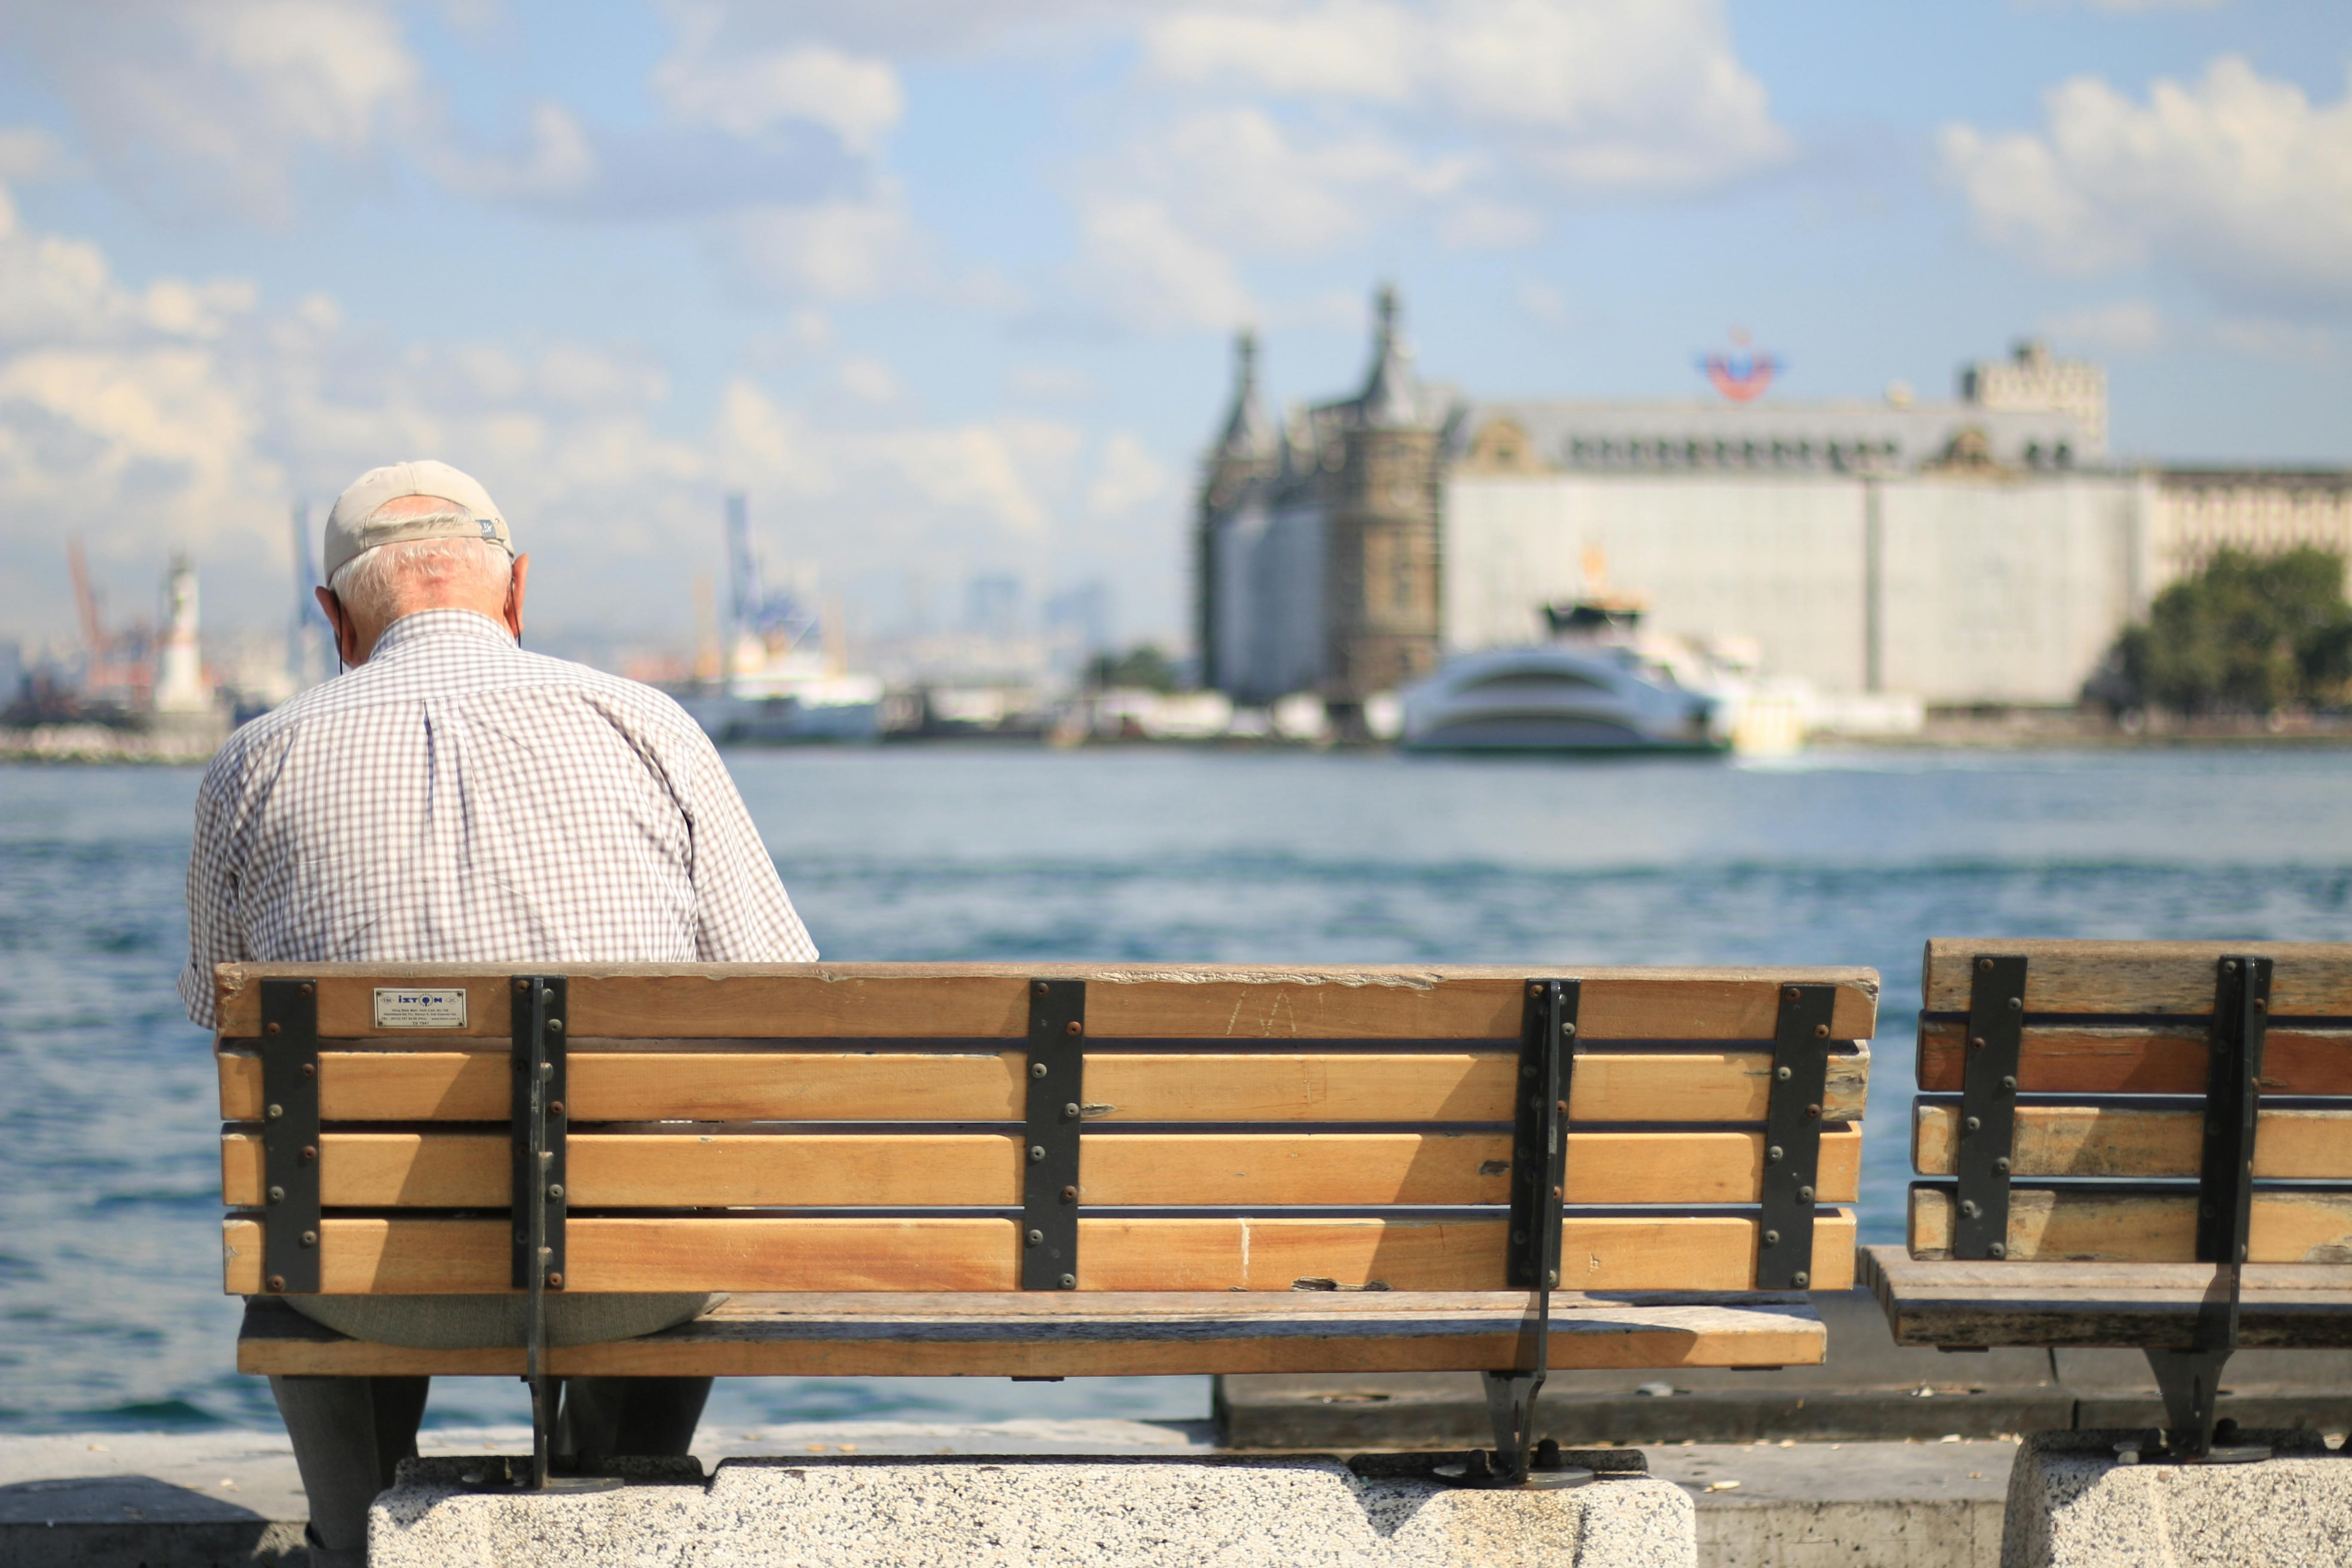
<point>947,287</point>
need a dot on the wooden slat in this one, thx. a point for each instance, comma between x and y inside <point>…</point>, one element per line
<point>2063,1225</point>
<point>2107,1141</point>
<point>757,1086</point>
<point>2311,979</point>
<point>873,1001</point>
<point>995,1335</point>
<point>412,1256</point>
<point>2294,1306</point>
<point>2064,1058</point>
<point>470,1170</point>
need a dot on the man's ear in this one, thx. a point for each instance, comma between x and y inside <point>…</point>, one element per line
<point>347,636</point>
<point>514,595</point>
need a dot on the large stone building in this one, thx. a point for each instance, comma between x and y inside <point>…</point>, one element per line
<point>1982,551</point>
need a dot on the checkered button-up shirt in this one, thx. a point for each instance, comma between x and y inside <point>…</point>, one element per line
<point>456,799</point>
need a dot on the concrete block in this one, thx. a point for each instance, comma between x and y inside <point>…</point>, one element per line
<point>1034,1512</point>
<point>2072,1503</point>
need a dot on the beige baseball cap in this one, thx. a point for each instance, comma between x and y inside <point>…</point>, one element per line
<point>349,532</point>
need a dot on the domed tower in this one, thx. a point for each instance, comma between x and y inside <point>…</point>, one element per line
<point>1380,585</point>
<point>1245,457</point>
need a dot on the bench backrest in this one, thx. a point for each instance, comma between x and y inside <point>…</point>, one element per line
<point>2134,1072</point>
<point>990,1127</point>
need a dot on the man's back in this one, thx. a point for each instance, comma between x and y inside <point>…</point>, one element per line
<point>456,798</point>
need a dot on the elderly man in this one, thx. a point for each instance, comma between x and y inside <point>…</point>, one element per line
<point>451,798</point>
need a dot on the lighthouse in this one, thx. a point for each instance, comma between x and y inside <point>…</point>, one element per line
<point>180,686</point>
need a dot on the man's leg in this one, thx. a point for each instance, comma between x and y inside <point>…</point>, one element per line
<point>350,1433</point>
<point>605,1416</point>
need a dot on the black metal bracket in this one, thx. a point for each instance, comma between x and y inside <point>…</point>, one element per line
<point>289,1136</point>
<point>1548,1021</point>
<point>1050,1138</point>
<point>2191,1379</point>
<point>1793,1137</point>
<point>1988,1105</point>
<point>540,1005</point>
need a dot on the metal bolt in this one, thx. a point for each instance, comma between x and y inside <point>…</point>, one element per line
<point>1976,1042</point>
<point>1568,1030</point>
<point>1813,1113</point>
<point>1984,965</point>
<point>1036,1238</point>
<point>1821,1031</point>
<point>309,1152</point>
<point>1801,1278</point>
<point>2017,1003</point>
<point>1804,1195</point>
<point>1563,1108</point>
<point>1998,1249</point>
<point>1036,1152</point>
<point>1783,1074</point>
<point>555,1026</point>
<point>2261,1005</point>
<point>275,1111</point>
<point>1073,1027</point>
<point>556,1279</point>
<point>555,1108</point>
<point>1790,995</point>
<point>1041,988</point>
<point>1069,1281</point>
<point>1070,1111</point>
<point>1968,1209</point>
<point>1520,1154</point>
<point>310,1238</point>
<point>1037,1070</point>
<point>1551,1275</point>
<point>522,984</point>
<point>308,989</point>
<point>277,1195</point>
<point>1069,1195</point>
<point>269,1028</point>
<point>1528,1071</point>
<point>1772,1155</point>
<point>1771,1238</point>
<point>1518,1239</point>
<point>555,1189</point>
<point>278,1282</point>
<point>309,1069</point>
<point>2002,1164</point>
<point>1535,1102</point>
<point>1535,990</point>
<point>2231,967</point>
<point>1973,1125</point>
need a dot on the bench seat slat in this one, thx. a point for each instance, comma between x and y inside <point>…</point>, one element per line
<point>992,1335</point>
<point>1205,1002</point>
<point>2053,1224</point>
<point>2313,979</point>
<point>2079,1058</point>
<point>473,1170</point>
<point>2112,1141</point>
<point>424,1256</point>
<point>2296,1305</point>
<point>755,1086</point>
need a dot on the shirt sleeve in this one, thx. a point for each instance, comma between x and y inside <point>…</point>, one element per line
<point>215,932</point>
<point>742,913</point>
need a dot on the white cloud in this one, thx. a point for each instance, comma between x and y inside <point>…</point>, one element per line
<point>1544,302</point>
<point>1144,271</point>
<point>1592,93</point>
<point>1051,384</point>
<point>1127,478</point>
<point>868,380</point>
<point>2125,327</point>
<point>2280,341</point>
<point>856,98</point>
<point>834,250</point>
<point>28,152</point>
<point>2237,179</point>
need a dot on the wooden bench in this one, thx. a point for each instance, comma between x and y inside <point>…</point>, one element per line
<point>1053,1170</point>
<point>2128,1145</point>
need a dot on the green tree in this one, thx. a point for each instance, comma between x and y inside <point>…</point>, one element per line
<point>2247,634</point>
<point>1142,666</point>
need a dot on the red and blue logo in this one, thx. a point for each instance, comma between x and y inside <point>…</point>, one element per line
<point>1742,375</point>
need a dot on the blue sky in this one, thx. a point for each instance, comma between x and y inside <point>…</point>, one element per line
<point>947,286</point>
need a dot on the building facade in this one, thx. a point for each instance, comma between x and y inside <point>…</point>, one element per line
<point>1983,551</point>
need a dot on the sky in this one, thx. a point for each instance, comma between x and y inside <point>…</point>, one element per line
<point>947,287</point>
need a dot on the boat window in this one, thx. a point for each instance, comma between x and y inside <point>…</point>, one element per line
<point>1532,681</point>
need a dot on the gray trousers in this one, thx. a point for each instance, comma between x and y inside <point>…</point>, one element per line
<point>351,1433</point>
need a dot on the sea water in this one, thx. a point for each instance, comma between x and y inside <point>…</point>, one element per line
<point>110,1309</point>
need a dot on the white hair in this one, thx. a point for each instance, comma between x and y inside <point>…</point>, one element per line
<point>394,580</point>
